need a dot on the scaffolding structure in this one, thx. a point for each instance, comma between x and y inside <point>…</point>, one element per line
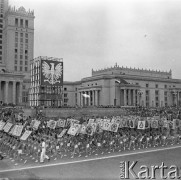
<point>46,82</point>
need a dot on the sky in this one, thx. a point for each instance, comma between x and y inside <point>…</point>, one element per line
<point>96,34</point>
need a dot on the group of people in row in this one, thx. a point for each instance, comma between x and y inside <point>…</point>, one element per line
<point>45,143</point>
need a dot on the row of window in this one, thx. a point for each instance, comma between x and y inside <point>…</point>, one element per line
<point>21,62</point>
<point>21,22</point>
<point>21,45</point>
<point>21,57</point>
<point>156,86</point>
<point>20,68</point>
<point>21,35</point>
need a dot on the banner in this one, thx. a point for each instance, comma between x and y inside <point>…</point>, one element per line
<point>114,127</point>
<point>94,125</point>
<point>62,133</point>
<point>61,123</point>
<point>51,124</point>
<point>2,123</point>
<point>91,121</point>
<point>25,135</point>
<point>132,123</point>
<point>7,127</point>
<point>74,129</point>
<point>36,124</point>
<point>106,126</point>
<point>165,124</point>
<point>17,130</point>
<point>141,124</point>
<point>83,129</point>
<point>154,123</point>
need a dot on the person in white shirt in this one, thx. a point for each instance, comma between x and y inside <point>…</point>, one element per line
<point>43,155</point>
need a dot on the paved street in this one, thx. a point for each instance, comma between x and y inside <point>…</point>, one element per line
<point>104,167</point>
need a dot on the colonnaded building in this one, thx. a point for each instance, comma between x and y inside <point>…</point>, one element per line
<point>120,86</point>
<point>16,51</point>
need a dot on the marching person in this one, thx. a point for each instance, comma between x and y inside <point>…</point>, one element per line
<point>43,155</point>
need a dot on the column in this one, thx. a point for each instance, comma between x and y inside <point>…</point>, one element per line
<point>89,99</point>
<point>125,98</point>
<point>96,98</point>
<point>129,97</point>
<point>134,98</point>
<point>6,91</point>
<point>82,99</point>
<point>14,92</point>
<point>20,92</point>
<point>93,97</point>
<point>0,92</point>
<point>138,99</point>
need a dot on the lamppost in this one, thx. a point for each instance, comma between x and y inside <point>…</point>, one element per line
<point>139,95</point>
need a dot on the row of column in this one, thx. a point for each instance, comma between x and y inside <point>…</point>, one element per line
<point>10,87</point>
<point>131,97</point>
<point>91,100</point>
<point>176,97</point>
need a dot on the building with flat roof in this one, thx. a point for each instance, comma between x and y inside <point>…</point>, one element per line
<point>122,86</point>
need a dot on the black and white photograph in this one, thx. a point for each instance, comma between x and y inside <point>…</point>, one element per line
<point>90,89</point>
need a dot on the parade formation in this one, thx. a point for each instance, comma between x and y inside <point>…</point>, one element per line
<point>38,139</point>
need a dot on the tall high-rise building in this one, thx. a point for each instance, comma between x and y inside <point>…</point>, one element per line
<point>16,51</point>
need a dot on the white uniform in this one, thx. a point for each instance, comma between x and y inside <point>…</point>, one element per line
<point>43,155</point>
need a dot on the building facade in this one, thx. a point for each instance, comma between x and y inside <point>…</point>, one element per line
<point>119,86</point>
<point>16,51</point>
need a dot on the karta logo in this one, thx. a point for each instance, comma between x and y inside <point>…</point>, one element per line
<point>127,171</point>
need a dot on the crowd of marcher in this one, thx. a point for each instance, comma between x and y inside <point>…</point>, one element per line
<point>46,142</point>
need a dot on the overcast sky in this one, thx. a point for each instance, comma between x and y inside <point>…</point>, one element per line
<point>98,33</point>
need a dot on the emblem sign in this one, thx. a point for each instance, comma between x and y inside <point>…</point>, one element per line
<point>51,73</point>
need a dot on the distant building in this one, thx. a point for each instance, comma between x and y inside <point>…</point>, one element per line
<point>120,86</point>
<point>16,51</point>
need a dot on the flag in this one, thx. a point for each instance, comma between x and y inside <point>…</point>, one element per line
<point>17,130</point>
<point>25,135</point>
<point>117,81</point>
<point>86,95</point>
<point>36,124</point>
<point>141,124</point>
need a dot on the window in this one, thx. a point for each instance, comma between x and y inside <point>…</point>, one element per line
<point>0,36</point>
<point>1,26</point>
<point>0,47</point>
<point>26,51</point>
<point>65,100</point>
<point>26,40</point>
<point>16,45</point>
<point>26,68</point>
<point>21,34</point>
<point>156,98</point>
<point>21,40</point>
<point>21,45</point>
<point>165,98</point>
<point>137,83</point>
<point>26,23</point>
<point>147,98</point>
<point>26,46</point>
<point>65,89</point>
<point>16,21</point>
<point>26,35</point>
<point>16,34</point>
<point>15,56</point>
<point>1,31</point>
<point>16,39</point>
<point>147,92</point>
<point>20,68</point>
<point>156,85</point>
<point>1,20</point>
<point>0,52</point>
<point>21,62</point>
<point>65,95</point>
<point>26,62</point>
<point>165,93</point>
<point>21,56</point>
<point>15,68</point>
<point>15,50</point>
<point>15,62</point>
<point>26,57</point>
<point>165,86</point>
<point>156,92</point>
<point>21,22</point>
